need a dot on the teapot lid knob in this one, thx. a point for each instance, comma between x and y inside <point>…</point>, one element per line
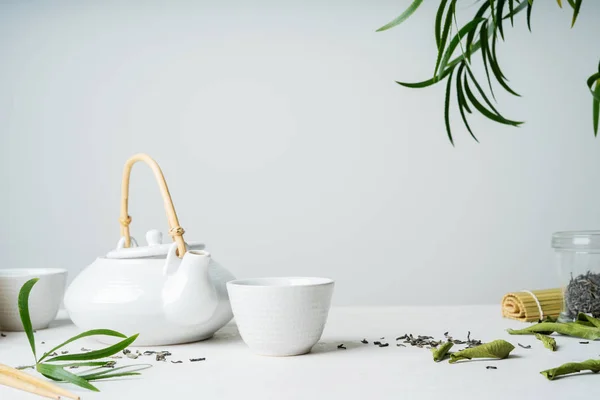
<point>154,237</point>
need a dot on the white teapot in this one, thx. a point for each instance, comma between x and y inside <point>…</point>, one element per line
<point>168,293</point>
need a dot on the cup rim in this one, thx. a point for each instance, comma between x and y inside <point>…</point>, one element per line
<point>282,282</point>
<point>30,272</point>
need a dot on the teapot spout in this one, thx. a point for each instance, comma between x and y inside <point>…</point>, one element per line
<point>189,295</point>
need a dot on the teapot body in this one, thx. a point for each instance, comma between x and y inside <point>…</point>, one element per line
<point>126,295</point>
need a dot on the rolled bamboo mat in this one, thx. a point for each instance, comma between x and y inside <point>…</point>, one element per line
<point>528,306</point>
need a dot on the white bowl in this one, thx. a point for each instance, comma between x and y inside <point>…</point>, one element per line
<point>281,316</point>
<point>44,299</point>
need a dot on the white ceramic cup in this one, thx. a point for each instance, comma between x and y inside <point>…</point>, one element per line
<point>281,316</point>
<point>44,299</point>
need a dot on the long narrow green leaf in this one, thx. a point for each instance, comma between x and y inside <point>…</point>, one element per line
<point>493,53</point>
<point>438,23</point>
<point>484,52</point>
<point>596,107</point>
<point>498,73</point>
<point>484,111</point>
<point>117,375</point>
<point>93,332</point>
<point>456,39</point>
<point>529,7</point>
<point>481,92</point>
<point>444,38</point>
<point>571,3</point>
<point>447,108</point>
<point>511,9</point>
<point>462,102</point>
<point>499,9</point>
<point>130,368</point>
<point>471,34</point>
<point>96,354</point>
<point>23,304</point>
<point>559,3</point>
<point>576,11</point>
<point>407,13</point>
<point>517,10</point>
<point>58,373</point>
<point>590,83</point>
<point>84,364</point>
<point>428,82</point>
<point>492,13</point>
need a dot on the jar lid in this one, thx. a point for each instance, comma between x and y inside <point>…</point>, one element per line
<point>576,240</point>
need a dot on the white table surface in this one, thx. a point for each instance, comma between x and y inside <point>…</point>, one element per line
<point>363,371</point>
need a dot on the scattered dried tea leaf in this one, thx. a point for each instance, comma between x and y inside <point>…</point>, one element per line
<point>197,359</point>
<point>572,368</point>
<point>497,349</point>
<point>364,341</point>
<point>149,352</point>
<point>341,346</point>
<point>176,362</point>
<point>110,364</point>
<point>548,341</point>
<point>384,345</point>
<point>442,351</point>
<point>569,329</point>
<point>376,343</point>
<point>491,367</point>
<point>126,351</point>
<point>400,344</point>
<point>161,355</point>
<point>2,334</point>
<point>64,352</point>
<point>524,347</point>
<point>584,342</point>
<point>133,356</point>
<point>43,342</point>
<point>84,349</point>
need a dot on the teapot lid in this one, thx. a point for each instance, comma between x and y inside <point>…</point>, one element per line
<point>155,247</point>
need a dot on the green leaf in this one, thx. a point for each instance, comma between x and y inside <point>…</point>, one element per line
<point>23,303</point>
<point>571,3</point>
<point>589,319</point>
<point>511,9</point>
<point>462,102</point>
<point>456,39</point>
<point>492,13</point>
<point>559,3</point>
<point>549,342</point>
<point>111,371</point>
<point>499,8</point>
<point>497,349</point>
<point>572,368</point>
<point>596,108</point>
<point>484,52</point>
<point>517,10</point>
<point>58,373</point>
<point>447,109</point>
<point>471,34</point>
<point>576,11</point>
<point>590,83</point>
<point>569,329</point>
<point>428,82</point>
<point>529,7</point>
<point>441,351</point>
<point>96,354</point>
<point>498,72</point>
<point>407,13</point>
<point>442,46</point>
<point>84,364</point>
<point>438,22</point>
<point>494,115</point>
<point>93,332</point>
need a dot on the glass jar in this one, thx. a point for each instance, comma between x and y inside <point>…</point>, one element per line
<point>578,260</point>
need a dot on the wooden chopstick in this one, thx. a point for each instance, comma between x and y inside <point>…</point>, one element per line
<point>12,377</point>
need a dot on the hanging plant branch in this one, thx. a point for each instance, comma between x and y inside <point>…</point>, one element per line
<point>482,32</point>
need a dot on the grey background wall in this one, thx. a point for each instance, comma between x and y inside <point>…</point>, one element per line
<point>287,145</point>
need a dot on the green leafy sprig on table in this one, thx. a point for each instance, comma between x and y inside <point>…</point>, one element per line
<point>53,367</point>
<point>482,32</point>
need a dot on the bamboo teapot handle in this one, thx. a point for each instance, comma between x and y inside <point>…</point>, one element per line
<point>175,230</point>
